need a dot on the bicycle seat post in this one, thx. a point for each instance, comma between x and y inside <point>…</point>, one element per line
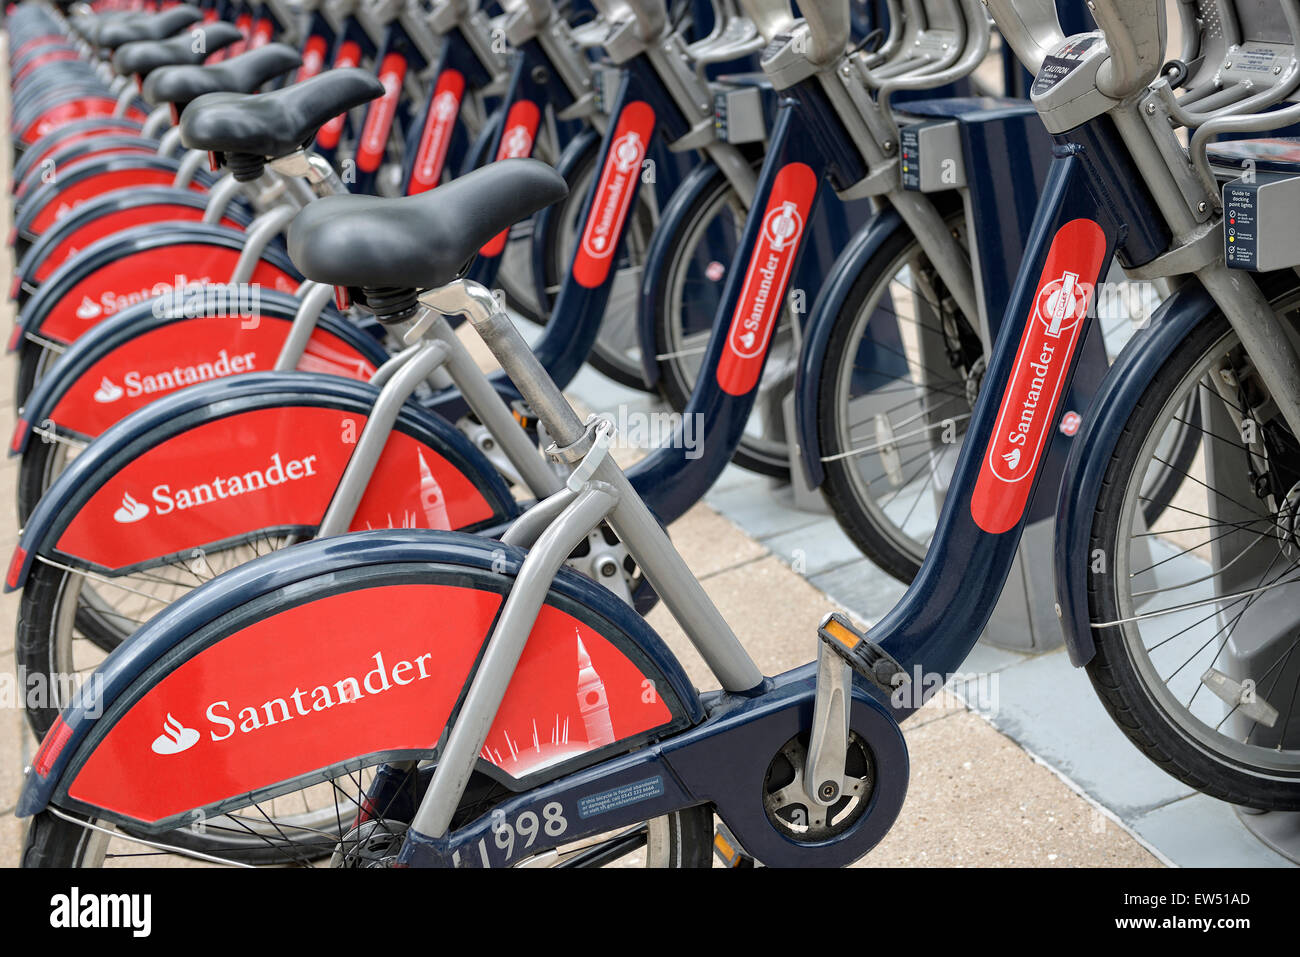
<point>500,335</point>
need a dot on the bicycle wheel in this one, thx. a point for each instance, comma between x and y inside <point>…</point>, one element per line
<point>59,839</point>
<point>901,372</point>
<point>617,352</point>
<point>703,245</point>
<point>1194,613</point>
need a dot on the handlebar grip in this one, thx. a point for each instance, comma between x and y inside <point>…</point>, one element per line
<point>1135,34</point>
<point>651,15</point>
<point>772,17</point>
<point>829,26</point>
<point>1029,27</point>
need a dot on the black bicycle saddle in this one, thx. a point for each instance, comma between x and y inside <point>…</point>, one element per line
<point>142,57</point>
<point>240,74</point>
<point>144,26</point>
<point>421,241</point>
<point>277,123</point>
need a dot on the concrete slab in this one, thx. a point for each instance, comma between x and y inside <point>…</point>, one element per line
<point>1014,812</point>
<point>762,511</point>
<point>816,548</point>
<point>862,588</point>
<point>1198,831</point>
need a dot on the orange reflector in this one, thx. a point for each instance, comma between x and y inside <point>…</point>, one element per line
<point>840,633</point>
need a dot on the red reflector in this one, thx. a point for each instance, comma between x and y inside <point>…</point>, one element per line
<point>13,236</point>
<point>16,566</point>
<point>15,287</point>
<point>212,161</point>
<point>342,298</point>
<point>51,746</point>
<point>20,433</point>
<point>176,115</point>
<point>15,337</point>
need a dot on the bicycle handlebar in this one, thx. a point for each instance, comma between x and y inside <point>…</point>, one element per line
<point>1030,28</point>
<point>539,11</point>
<point>974,47</point>
<point>651,16</point>
<point>1136,39</point>
<point>772,17</point>
<point>829,27</point>
<point>1134,30</point>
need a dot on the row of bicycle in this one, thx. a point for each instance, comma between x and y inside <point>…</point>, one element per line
<point>301,582</point>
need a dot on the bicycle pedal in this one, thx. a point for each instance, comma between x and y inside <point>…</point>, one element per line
<point>865,656</point>
<point>728,850</point>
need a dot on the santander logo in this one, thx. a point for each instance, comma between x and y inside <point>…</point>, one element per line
<point>1052,331</point>
<point>167,500</point>
<point>612,197</point>
<point>108,391</point>
<point>783,226</point>
<point>439,122</point>
<point>89,309</point>
<point>383,112</point>
<point>1061,304</point>
<point>380,118</point>
<point>130,511</point>
<point>227,718</point>
<point>442,112</point>
<point>140,383</point>
<point>615,187</point>
<point>517,143</point>
<point>175,738</point>
<point>767,277</point>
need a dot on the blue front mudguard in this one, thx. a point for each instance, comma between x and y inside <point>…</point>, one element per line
<point>1090,453</point>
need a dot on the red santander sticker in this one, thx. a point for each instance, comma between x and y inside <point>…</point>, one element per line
<point>313,59</point>
<point>327,692</point>
<point>613,196</point>
<point>439,123</point>
<point>1046,348</point>
<point>379,118</point>
<point>756,313</point>
<point>349,55</point>
<point>516,143</point>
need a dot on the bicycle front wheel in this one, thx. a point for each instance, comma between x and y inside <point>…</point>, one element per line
<point>1194,605</point>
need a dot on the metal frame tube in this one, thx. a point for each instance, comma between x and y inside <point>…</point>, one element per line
<point>313,298</point>
<point>259,235</point>
<point>487,404</point>
<point>191,163</point>
<point>370,445</point>
<point>501,655</point>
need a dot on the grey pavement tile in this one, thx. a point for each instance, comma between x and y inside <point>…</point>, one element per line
<point>815,548</point>
<point>861,588</point>
<point>762,511</point>
<point>1199,831</point>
